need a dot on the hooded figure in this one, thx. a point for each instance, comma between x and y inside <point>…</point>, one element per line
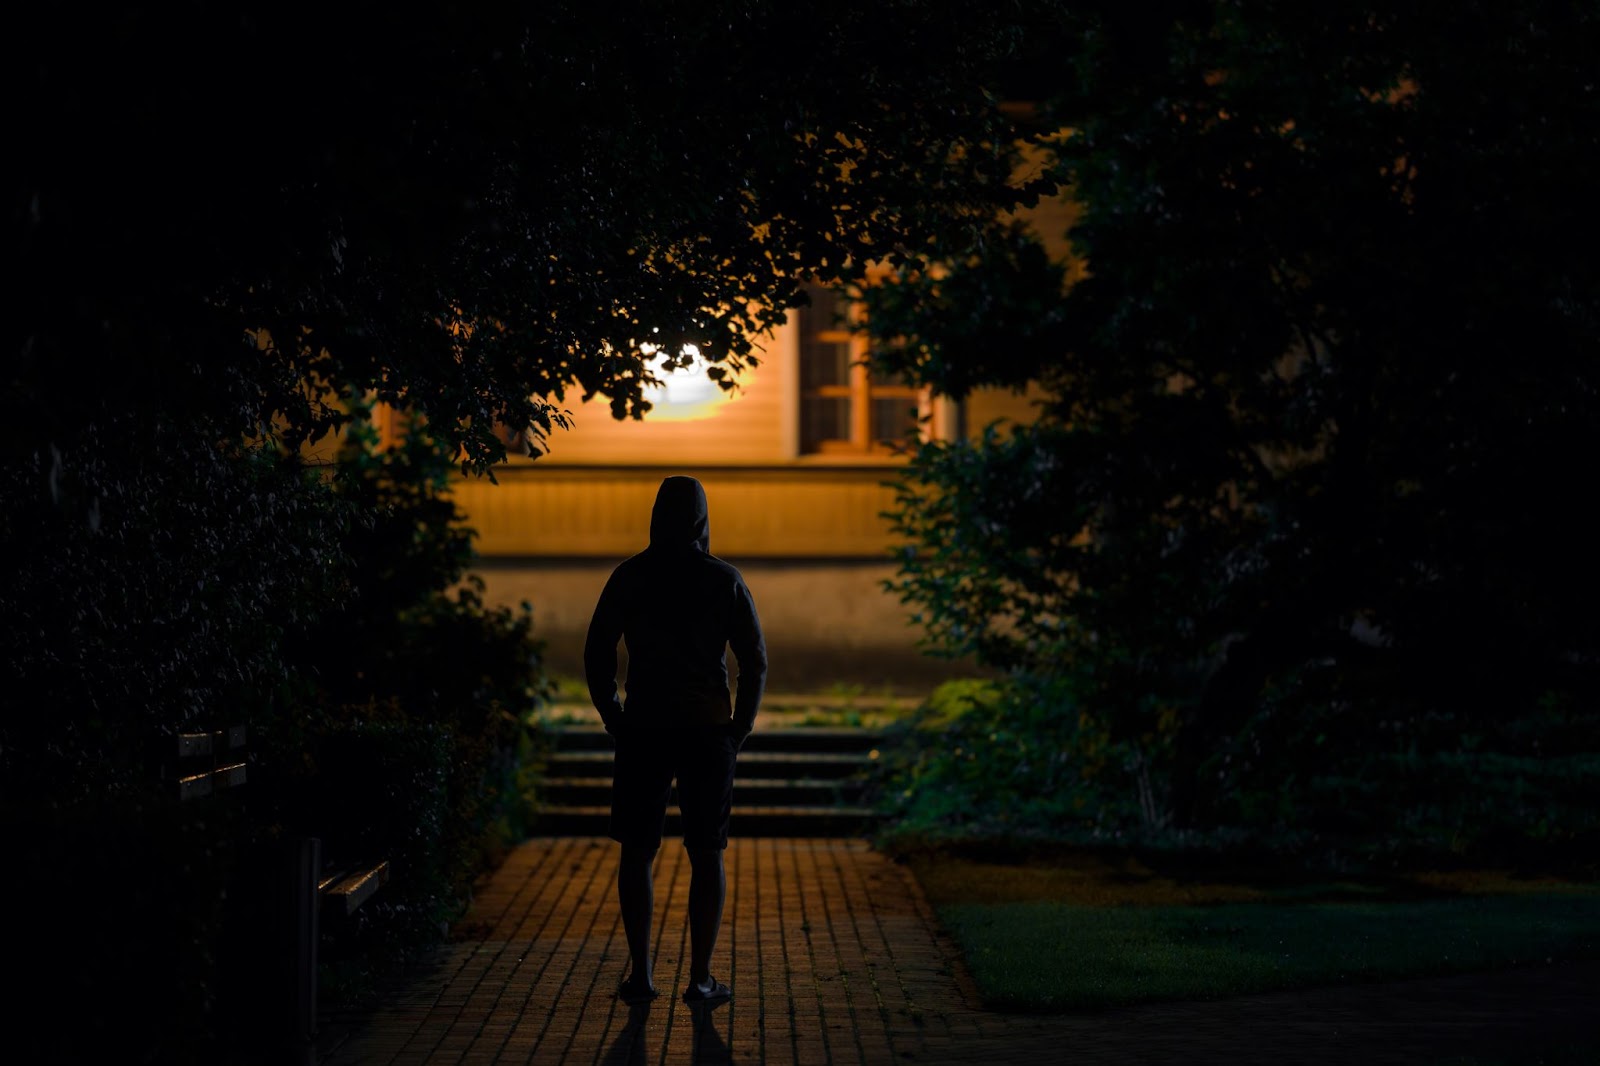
<point>678,608</point>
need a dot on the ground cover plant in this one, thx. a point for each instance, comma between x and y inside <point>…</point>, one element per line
<point>1022,758</point>
<point>1068,931</point>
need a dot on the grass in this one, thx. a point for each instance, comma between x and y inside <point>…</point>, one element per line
<point>569,688</point>
<point>1092,933</point>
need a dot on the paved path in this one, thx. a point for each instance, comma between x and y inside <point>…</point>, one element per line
<point>834,957</point>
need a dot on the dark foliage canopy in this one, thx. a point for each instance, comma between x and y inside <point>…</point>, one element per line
<point>1318,383</point>
<point>475,213</point>
<point>232,229</point>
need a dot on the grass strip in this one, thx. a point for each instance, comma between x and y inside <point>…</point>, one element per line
<point>1051,956</point>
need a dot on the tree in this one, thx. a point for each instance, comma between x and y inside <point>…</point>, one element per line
<point>1318,379</point>
<point>472,214</point>
<point>246,221</point>
<point>233,229</point>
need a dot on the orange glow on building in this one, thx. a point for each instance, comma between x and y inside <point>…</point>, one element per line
<point>685,393</point>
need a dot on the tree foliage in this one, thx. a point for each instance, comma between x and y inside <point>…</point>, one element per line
<point>474,214</point>
<point>1318,379</point>
<point>248,220</point>
<point>233,229</point>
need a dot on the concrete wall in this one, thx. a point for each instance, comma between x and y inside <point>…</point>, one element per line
<point>826,622</point>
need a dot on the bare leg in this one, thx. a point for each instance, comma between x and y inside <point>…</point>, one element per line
<point>636,894</point>
<point>707,887</point>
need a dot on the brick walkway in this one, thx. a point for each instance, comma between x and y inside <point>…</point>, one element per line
<point>829,948</point>
<point>834,957</point>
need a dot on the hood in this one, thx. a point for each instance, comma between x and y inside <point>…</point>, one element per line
<point>680,518</point>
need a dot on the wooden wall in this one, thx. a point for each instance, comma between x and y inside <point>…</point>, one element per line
<point>817,512</point>
<point>590,495</point>
<point>753,424</point>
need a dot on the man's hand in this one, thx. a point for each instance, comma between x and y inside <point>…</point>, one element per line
<point>739,737</point>
<point>611,718</point>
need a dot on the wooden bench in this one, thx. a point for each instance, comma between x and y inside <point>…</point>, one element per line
<point>303,890</point>
<point>326,893</point>
<point>210,762</point>
<point>344,887</point>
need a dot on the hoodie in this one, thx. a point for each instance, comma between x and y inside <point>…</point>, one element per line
<point>678,608</point>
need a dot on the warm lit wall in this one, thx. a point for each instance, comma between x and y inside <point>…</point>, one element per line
<point>825,622</point>
<point>756,425</point>
<point>807,530</point>
<point>805,511</point>
<point>702,425</point>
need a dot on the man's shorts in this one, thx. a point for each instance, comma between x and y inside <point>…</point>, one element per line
<point>700,759</point>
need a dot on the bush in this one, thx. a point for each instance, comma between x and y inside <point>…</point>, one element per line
<point>416,745</point>
<point>1292,526</point>
<point>175,585</point>
<point>984,758</point>
<point>1022,760</point>
<point>120,945</point>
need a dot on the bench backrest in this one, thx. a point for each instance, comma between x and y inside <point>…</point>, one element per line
<point>211,761</point>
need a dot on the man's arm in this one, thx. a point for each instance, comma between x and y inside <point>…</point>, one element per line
<point>750,649</point>
<point>600,654</point>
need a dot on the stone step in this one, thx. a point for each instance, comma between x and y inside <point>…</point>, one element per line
<point>789,792</point>
<point>747,821</point>
<point>777,739</point>
<point>752,764</point>
<point>775,703</point>
<point>800,781</point>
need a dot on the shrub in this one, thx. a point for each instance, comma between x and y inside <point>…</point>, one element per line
<point>416,745</point>
<point>175,585</point>
<point>1021,760</point>
<point>984,758</point>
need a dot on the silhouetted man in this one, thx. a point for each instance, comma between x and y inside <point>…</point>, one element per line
<point>678,608</point>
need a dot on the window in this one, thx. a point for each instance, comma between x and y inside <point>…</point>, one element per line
<point>844,406</point>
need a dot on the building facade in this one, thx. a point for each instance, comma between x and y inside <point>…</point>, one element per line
<point>798,466</point>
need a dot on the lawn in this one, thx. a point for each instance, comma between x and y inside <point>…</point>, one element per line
<point>1087,933</point>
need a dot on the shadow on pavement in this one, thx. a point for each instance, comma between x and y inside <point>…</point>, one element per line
<point>709,1047</point>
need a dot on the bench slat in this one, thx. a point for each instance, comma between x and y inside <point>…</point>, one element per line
<point>191,745</point>
<point>229,776</point>
<point>194,786</point>
<point>349,889</point>
<point>203,746</point>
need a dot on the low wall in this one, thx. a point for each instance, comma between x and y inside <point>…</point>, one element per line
<point>826,622</point>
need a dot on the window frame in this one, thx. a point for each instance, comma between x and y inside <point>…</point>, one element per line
<point>861,390</point>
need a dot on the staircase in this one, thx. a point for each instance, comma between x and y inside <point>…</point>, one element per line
<point>794,781</point>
